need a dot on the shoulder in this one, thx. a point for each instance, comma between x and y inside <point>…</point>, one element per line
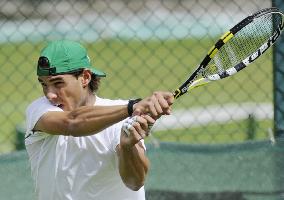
<point>109,102</point>
<point>41,103</point>
<point>34,112</point>
<point>36,109</point>
<point>37,102</point>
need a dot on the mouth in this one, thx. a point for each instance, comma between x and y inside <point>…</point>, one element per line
<point>59,105</point>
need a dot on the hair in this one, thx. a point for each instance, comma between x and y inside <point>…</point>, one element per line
<point>93,84</point>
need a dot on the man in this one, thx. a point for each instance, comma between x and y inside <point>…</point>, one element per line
<point>83,147</point>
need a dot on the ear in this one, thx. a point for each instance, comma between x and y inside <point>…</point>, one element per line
<point>86,77</point>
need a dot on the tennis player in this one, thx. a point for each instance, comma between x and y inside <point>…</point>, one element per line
<point>81,146</point>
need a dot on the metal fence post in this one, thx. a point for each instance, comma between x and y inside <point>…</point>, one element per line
<point>278,63</point>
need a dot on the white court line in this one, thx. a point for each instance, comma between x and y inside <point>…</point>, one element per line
<point>213,114</point>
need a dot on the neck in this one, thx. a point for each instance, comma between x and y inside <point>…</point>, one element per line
<point>90,100</point>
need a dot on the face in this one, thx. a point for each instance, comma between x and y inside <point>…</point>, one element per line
<point>65,91</point>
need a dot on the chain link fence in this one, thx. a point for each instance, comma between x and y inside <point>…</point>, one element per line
<point>143,46</point>
<point>150,45</point>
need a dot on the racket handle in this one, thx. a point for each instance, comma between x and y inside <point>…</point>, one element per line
<point>150,126</point>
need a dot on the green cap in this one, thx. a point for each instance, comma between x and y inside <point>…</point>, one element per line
<point>63,57</point>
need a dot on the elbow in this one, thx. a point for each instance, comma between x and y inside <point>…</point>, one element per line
<point>136,186</point>
<point>134,183</point>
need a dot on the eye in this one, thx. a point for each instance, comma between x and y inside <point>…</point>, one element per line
<point>58,84</point>
<point>43,84</point>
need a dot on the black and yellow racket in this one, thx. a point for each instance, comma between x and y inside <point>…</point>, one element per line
<point>237,48</point>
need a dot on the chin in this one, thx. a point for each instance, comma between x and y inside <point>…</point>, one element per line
<point>65,108</point>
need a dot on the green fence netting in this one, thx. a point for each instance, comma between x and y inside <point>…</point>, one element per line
<point>16,182</point>
<point>246,171</point>
<point>251,170</point>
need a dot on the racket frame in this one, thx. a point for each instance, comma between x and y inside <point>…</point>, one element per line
<point>191,83</point>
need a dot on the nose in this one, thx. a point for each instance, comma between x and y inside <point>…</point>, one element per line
<point>51,95</point>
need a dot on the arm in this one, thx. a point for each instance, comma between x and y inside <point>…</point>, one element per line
<point>133,166</point>
<point>133,163</point>
<point>88,120</point>
<point>82,121</point>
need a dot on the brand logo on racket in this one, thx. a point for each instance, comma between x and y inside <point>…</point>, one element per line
<point>265,46</point>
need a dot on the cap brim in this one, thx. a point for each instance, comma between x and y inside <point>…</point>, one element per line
<point>98,72</point>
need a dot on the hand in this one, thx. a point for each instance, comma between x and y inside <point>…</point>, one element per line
<point>135,129</point>
<point>159,103</point>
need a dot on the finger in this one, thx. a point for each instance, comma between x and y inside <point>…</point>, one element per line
<point>136,133</point>
<point>149,119</point>
<point>140,128</point>
<point>127,125</point>
<point>158,103</point>
<point>163,102</point>
<point>125,129</point>
<point>152,107</point>
<point>158,108</point>
<point>150,123</point>
<point>143,123</point>
<point>131,120</point>
<point>145,106</point>
<point>168,111</point>
<point>130,131</point>
<point>169,97</point>
<point>137,111</point>
<point>135,126</point>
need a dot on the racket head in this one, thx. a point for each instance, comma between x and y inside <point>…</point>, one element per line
<point>237,48</point>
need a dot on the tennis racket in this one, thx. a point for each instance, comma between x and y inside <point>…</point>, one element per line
<point>237,48</point>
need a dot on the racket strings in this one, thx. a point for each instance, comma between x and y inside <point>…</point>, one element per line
<point>245,42</point>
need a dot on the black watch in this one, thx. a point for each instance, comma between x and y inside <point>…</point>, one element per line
<point>130,104</point>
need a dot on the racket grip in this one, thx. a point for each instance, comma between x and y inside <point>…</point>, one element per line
<point>150,126</point>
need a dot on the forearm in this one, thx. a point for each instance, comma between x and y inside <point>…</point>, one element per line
<point>133,166</point>
<point>85,120</point>
<point>90,120</point>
